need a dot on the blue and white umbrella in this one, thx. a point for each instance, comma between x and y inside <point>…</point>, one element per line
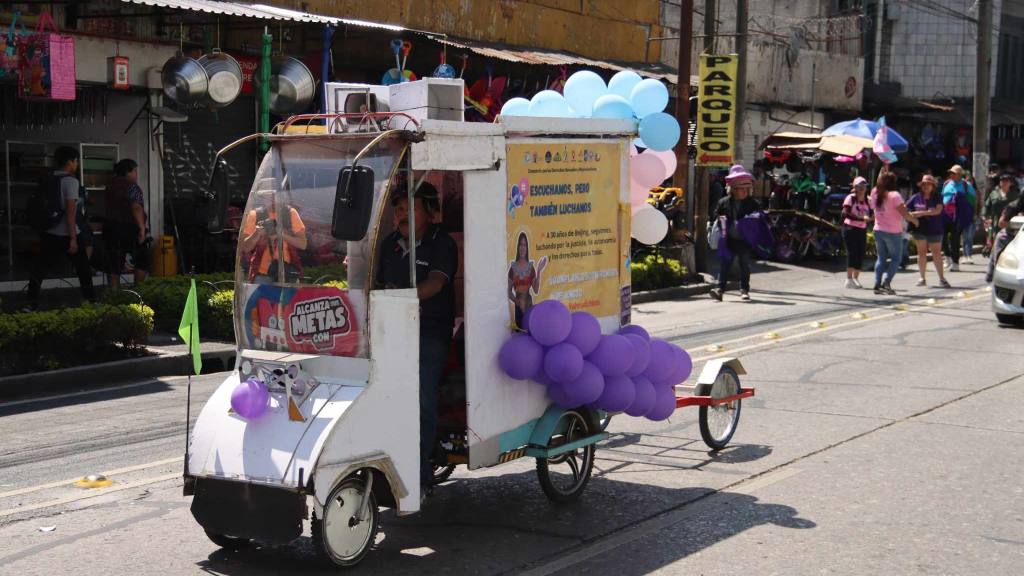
<point>866,129</point>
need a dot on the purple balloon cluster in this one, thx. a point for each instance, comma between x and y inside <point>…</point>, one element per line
<point>625,372</point>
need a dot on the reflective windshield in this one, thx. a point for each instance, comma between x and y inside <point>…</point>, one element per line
<point>299,288</point>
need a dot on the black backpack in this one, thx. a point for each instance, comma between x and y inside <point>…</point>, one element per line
<point>45,207</point>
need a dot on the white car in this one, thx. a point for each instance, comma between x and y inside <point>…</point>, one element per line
<point>1008,280</point>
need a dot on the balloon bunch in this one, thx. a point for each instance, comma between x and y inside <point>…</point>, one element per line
<point>626,96</point>
<point>625,372</point>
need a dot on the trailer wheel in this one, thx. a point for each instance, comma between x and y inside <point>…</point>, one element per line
<point>226,542</point>
<point>718,423</point>
<point>563,477</point>
<point>341,537</point>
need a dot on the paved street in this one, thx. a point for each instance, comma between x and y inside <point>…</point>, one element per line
<point>885,437</point>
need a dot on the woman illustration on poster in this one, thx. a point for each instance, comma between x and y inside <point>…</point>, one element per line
<point>524,279</point>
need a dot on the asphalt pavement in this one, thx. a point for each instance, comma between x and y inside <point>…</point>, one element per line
<point>885,437</point>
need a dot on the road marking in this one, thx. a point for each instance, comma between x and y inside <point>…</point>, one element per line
<point>765,480</point>
<point>169,380</point>
<point>829,328</point>
<point>108,474</point>
<point>85,496</point>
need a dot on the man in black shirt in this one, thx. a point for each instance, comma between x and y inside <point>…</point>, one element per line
<point>437,259</point>
<point>733,207</point>
<point>1015,208</point>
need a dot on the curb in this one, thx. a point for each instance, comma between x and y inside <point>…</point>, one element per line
<point>106,373</point>
<point>674,293</point>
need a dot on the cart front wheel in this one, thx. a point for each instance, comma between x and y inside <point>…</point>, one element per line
<point>563,477</point>
<point>346,533</point>
<point>718,423</point>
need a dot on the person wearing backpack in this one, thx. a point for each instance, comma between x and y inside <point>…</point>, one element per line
<point>54,215</point>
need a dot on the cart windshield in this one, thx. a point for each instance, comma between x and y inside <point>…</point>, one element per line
<point>299,288</point>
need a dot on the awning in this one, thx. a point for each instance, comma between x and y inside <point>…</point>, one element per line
<point>550,58</point>
<point>509,54</point>
<point>262,12</point>
<point>842,145</point>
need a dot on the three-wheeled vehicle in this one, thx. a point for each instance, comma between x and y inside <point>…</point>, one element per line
<point>339,354</point>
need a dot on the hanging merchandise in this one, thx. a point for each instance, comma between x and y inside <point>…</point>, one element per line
<point>9,48</point>
<point>444,70</point>
<point>46,63</point>
<point>399,74</point>
<point>292,86</point>
<point>117,72</point>
<point>484,97</point>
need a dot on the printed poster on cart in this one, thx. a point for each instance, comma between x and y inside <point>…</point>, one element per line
<point>311,320</point>
<point>563,226</point>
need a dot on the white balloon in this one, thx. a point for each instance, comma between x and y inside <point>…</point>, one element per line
<point>649,226</point>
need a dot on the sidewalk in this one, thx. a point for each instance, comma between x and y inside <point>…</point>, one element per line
<point>168,358</point>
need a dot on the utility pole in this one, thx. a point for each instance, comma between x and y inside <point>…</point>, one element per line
<point>982,97</point>
<point>682,174</point>
<point>741,78</point>
<point>700,198</point>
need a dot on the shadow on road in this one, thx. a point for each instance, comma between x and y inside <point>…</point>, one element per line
<point>504,524</point>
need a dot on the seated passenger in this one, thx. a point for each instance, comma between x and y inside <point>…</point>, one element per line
<point>437,259</point>
<point>262,235</point>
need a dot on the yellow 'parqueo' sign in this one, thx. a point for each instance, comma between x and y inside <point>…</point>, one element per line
<point>716,110</point>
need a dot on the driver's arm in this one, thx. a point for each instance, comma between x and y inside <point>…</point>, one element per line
<point>251,233</point>
<point>442,269</point>
<point>296,237</point>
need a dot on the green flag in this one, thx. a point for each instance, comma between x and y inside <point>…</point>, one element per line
<point>189,328</point>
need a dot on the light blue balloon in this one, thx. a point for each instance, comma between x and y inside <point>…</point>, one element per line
<point>582,89</point>
<point>660,131</point>
<point>516,107</point>
<point>623,82</point>
<point>648,96</point>
<point>550,104</point>
<point>612,106</point>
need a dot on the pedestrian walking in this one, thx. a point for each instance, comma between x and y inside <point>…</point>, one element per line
<point>890,211</point>
<point>996,201</point>
<point>926,205</point>
<point>856,216</point>
<point>124,231</point>
<point>957,212</point>
<point>59,228</point>
<point>736,205</point>
<point>970,226</point>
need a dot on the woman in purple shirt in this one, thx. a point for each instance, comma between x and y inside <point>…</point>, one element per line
<point>926,205</point>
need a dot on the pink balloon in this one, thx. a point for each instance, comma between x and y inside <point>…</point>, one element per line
<point>638,194</point>
<point>646,170</point>
<point>668,158</point>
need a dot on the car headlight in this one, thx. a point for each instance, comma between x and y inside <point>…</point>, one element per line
<point>1008,260</point>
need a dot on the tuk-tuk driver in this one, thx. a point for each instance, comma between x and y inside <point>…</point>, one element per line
<point>437,259</point>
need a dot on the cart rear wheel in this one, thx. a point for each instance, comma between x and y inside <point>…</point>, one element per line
<point>718,423</point>
<point>228,542</point>
<point>563,477</point>
<point>342,537</point>
<point>604,421</point>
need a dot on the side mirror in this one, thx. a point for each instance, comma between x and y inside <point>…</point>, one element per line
<point>353,203</point>
<point>1015,224</point>
<point>219,193</point>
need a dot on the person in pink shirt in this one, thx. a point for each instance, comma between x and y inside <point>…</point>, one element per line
<point>856,215</point>
<point>890,211</point>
